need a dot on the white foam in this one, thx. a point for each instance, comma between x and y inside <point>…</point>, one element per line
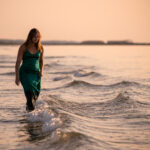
<point>42,113</point>
<point>52,125</point>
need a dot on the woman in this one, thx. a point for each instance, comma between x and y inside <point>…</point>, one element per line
<point>31,70</point>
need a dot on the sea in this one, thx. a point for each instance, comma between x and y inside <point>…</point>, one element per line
<point>92,98</point>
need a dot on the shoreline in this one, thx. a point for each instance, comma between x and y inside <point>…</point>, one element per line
<point>81,43</point>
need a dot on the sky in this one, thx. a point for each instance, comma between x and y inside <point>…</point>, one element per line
<point>76,20</point>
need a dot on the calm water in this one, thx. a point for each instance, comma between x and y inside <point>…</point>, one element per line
<point>92,98</point>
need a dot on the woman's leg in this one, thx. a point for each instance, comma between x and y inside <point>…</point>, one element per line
<point>30,104</point>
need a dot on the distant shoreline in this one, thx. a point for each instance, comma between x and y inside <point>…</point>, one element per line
<point>88,43</point>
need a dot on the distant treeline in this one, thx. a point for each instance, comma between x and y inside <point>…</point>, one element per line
<point>88,42</point>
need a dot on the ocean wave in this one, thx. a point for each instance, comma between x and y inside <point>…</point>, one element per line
<point>54,64</point>
<point>3,66</point>
<point>80,83</point>
<point>87,85</point>
<point>8,121</point>
<point>8,73</point>
<point>7,61</point>
<point>63,72</point>
<point>78,73</point>
<point>122,84</point>
<point>121,106</point>
<point>51,57</point>
<point>85,74</point>
<point>64,137</point>
<point>49,119</point>
<point>61,78</point>
<point>125,83</point>
<point>121,98</point>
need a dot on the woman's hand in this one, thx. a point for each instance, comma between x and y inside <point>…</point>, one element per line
<point>41,73</point>
<point>17,81</point>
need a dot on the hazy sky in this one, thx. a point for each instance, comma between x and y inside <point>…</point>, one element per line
<point>76,19</point>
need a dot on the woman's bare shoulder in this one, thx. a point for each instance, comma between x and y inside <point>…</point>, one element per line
<point>22,48</point>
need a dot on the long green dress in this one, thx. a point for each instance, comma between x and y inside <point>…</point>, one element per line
<point>29,76</point>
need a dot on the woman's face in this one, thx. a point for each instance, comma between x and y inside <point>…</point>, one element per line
<point>36,38</point>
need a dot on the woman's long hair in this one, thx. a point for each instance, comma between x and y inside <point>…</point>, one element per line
<point>31,34</point>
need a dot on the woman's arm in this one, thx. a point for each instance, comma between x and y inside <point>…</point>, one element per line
<point>18,62</point>
<point>42,62</point>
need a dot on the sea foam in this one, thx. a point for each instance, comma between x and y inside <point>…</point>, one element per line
<point>50,121</point>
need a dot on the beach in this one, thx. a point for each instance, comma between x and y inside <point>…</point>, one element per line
<point>92,98</point>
